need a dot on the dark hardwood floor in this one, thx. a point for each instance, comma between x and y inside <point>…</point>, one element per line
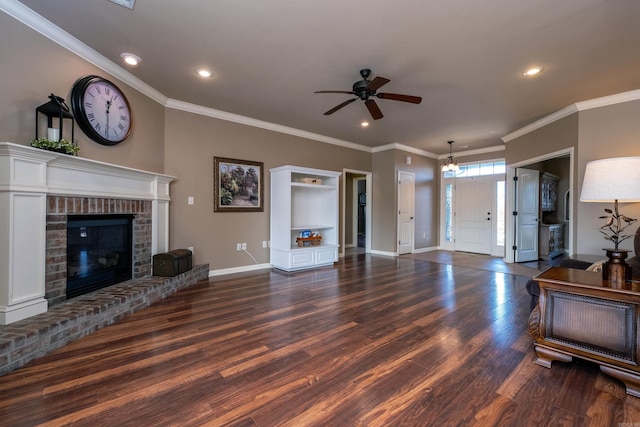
<point>373,341</point>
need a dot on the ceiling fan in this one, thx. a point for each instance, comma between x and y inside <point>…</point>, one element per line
<point>364,89</point>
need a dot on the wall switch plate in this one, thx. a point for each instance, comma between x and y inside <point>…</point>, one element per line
<point>264,243</point>
<point>190,200</point>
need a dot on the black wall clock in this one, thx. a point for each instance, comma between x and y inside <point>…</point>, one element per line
<point>101,110</point>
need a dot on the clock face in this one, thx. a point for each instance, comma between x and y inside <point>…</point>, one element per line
<point>101,110</point>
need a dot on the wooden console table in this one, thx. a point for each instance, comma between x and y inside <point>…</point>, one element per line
<point>578,314</point>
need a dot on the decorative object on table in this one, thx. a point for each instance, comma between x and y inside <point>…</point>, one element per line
<point>450,165</point>
<point>55,108</point>
<point>101,109</point>
<point>237,185</point>
<point>59,146</point>
<point>613,180</point>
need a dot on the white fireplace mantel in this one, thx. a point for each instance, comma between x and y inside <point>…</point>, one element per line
<point>27,176</point>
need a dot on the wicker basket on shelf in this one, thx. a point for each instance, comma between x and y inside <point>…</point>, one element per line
<point>309,241</point>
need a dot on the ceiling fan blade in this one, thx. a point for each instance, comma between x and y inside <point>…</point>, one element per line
<point>399,97</point>
<point>373,109</point>
<point>337,107</point>
<point>377,83</point>
<point>335,91</point>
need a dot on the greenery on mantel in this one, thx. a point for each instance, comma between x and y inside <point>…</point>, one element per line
<point>62,146</point>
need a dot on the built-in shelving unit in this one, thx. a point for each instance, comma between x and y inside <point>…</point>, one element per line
<point>303,201</point>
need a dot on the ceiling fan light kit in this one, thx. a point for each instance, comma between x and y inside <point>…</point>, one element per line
<point>365,89</point>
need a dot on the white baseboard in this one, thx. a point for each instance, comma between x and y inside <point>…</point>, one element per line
<point>242,269</point>
<point>421,250</point>
<point>384,253</point>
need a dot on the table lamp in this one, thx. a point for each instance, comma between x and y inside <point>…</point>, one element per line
<point>613,180</point>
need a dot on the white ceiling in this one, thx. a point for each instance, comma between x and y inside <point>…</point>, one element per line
<point>464,57</point>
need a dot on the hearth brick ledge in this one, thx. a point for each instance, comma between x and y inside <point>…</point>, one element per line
<point>28,339</point>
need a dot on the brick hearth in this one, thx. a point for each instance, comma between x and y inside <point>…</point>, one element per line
<point>27,339</point>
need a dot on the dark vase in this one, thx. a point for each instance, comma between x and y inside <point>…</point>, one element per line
<point>616,270</point>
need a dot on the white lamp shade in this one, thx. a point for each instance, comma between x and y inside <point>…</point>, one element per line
<point>613,179</point>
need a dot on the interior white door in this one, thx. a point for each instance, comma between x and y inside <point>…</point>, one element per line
<point>406,208</point>
<point>527,211</point>
<point>473,222</point>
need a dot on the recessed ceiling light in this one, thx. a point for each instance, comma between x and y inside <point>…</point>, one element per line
<point>364,124</point>
<point>130,58</point>
<point>204,73</point>
<point>533,71</point>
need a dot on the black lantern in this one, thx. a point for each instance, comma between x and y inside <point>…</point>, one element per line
<point>55,108</point>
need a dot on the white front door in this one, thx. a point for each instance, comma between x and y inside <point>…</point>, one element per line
<point>526,218</point>
<point>473,222</point>
<point>406,207</point>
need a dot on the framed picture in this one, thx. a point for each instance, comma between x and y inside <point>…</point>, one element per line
<point>237,185</point>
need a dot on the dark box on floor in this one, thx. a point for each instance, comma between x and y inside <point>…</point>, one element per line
<point>172,263</point>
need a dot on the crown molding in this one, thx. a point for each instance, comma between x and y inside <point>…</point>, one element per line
<point>236,118</point>
<point>45,27</point>
<point>618,98</point>
<point>473,152</point>
<point>553,117</point>
<point>396,146</point>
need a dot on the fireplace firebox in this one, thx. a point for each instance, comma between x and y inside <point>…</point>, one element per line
<point>99,252</point>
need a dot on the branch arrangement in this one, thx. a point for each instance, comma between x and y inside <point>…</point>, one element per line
<point>616,224</point>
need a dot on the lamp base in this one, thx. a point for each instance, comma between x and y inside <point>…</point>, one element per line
<point>616,270</point>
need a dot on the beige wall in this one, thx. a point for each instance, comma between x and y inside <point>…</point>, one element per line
<point>191,143</point>
<point>612,131</point>
<point>386,165</point>
<point>33,67</point>
<point>383,202</point>
<point>556,136</point>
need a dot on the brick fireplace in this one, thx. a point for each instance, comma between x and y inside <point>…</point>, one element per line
<point>58,210</point>
<point>38,190</point>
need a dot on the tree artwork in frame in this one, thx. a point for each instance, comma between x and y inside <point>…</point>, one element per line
<point>237,185</point>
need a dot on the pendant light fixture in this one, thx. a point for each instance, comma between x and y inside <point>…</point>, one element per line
<point>450,165</point>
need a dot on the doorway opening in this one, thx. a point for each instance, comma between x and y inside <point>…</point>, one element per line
<point>356,211</point>
<point>560,164</point>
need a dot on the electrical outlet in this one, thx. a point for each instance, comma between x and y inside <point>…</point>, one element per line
<point>190,200</point>
<point>190,248</point>
<point>238,246</point>
<point>244,246</point>
<point>264,243</point>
